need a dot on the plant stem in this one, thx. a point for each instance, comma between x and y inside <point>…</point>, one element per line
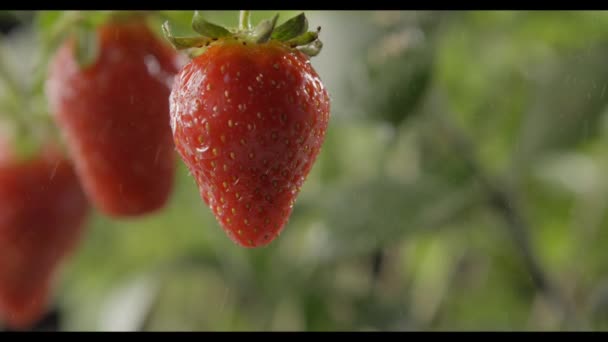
<point>59,31</point>
<point>5,77</point>
<point>245,20</point>
<point>504,202</point>
<point>15,99</point>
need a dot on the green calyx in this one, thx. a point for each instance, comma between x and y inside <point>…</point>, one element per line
<point>23,123</point>
<point>82,26</point>
<point>294,33</point>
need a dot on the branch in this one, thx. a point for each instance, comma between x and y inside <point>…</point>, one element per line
<point>503,201</point>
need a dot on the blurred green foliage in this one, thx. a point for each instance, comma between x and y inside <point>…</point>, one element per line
<point>434,115</point>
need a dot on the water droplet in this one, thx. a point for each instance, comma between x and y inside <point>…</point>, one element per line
<point>152,65</point>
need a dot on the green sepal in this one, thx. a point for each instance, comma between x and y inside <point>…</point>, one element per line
<point>263,31</point>
<point>292,28</point>
<point>195,52</point>
<point>303,39</point>
<point>182,43</point>
<point>97,18</point>
<point>86,46</point>
<point>207,29</point>
<point>292,33</point>
<point>52,27</point>
<point>46,22</point>
<point>312,49</point>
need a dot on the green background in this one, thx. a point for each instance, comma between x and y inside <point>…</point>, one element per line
<point>461,187</point>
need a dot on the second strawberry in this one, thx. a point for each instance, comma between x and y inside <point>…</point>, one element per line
<point>114,116</point>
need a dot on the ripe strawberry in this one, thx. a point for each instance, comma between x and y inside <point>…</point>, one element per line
<point>114,116</point>
<point>43,212</point>
<point>249,117</point>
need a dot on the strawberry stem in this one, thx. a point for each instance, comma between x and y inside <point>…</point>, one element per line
<point>10,84</point>
<point>15,96</point>
<point>24,103</point>
<point>245,21</point>
<point>58,31</point>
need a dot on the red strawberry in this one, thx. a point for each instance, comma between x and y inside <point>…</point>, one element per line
<point>43,212</point>
<point>114,115</point>
<point>249,117</point>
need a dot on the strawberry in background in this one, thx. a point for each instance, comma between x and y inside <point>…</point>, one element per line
<point>43,208</point>
<point>43,214</point>
<point>113,113</point>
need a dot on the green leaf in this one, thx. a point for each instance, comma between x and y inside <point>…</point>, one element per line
<point>291,28</point>
<point>86,46</point>
<point>202,26</point>
<point>181,43</point>
<point>363,216</point>
<point>401,77</point>
<point>572,98</point>
<point>264,29</point>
